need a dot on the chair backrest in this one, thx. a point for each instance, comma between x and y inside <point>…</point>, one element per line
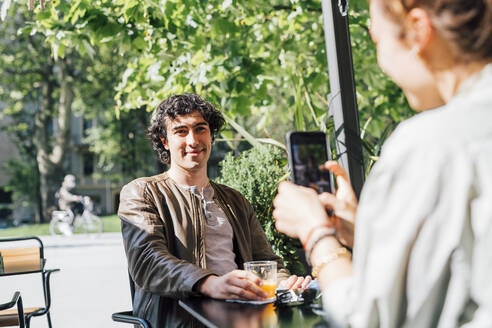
<point>21,259</point>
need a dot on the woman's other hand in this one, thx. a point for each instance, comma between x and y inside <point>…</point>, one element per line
<point>343,204</point>
<point>295,282</point>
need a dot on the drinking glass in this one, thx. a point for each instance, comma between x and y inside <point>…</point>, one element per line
<point>267,272</point>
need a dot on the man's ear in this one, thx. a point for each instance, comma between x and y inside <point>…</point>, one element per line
<point>164,143</point>
<point>419,29</point>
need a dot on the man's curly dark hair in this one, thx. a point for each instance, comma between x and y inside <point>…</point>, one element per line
<point>177,105</point>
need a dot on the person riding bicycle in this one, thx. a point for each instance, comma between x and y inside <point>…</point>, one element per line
<point>75,214</point>
<point>68,201</point>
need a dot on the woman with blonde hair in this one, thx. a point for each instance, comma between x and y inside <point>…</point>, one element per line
<point>423,227</point>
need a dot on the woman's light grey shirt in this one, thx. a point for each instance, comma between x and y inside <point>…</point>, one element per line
<point>423,241</point>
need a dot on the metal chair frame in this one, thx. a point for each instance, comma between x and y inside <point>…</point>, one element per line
<point>16,300</point>
<point>45,277</point>
<point>127,316</point>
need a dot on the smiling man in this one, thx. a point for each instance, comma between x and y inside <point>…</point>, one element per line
<point>184,234</point>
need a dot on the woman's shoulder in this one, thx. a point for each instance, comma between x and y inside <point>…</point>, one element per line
<point>459,124</point>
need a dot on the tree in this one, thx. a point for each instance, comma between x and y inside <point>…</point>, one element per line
<point>35,89</point>
<point>263,62</point>
<point>41,90</point>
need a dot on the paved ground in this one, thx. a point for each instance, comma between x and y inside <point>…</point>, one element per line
<point>92,283</point>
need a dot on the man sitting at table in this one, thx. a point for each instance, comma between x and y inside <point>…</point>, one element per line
<point>184,234</point>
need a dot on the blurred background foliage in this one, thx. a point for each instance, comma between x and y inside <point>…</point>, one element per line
<point>262,62</point>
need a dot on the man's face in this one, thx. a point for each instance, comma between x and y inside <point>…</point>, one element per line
<point>189,141</point>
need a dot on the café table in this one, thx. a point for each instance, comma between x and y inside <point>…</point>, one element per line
<point>221,314</point>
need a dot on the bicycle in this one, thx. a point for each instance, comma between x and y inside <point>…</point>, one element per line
<point>67,223</point>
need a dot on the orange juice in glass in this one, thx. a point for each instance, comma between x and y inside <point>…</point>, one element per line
<point>269,287</point>
<point>267,271</point>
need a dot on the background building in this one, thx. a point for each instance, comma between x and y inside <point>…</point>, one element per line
<point>82,163</point>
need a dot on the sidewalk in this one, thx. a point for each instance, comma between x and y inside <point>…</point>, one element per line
<point>92,283</point>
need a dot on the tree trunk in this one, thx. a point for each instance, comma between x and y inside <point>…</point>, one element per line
<point>51,150</point>
<point>39,208</point>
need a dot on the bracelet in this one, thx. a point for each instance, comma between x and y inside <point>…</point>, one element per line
<point>310,233</point>
<point>326,232</point>
<point>326,260</point>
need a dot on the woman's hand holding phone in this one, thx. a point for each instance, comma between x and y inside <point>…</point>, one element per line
<point>300,209</point>
<point>343,204</point>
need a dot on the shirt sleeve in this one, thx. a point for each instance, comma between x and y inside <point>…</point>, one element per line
<point>336,300</point>
<point>481,263</point>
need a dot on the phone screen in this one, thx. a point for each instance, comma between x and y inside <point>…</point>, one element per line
<point>308,151</point>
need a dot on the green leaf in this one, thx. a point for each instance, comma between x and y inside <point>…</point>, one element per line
<point>298,113</point>
<point>198,58</point>
<point>139,43</point>
<point>272,142</point>
<point>252,140</point>
<point>88,48</point>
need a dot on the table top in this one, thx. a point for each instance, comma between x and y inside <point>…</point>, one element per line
<point>220,314</point>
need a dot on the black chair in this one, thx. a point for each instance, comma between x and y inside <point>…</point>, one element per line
<point>12,317</point>
<point>127,316</point>
<point>34,265</point>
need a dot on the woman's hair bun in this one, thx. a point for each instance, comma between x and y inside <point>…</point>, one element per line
<point>466,24</point>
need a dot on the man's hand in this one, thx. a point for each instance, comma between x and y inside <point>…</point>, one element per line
<point>295,282</point>
<point>236,285</point>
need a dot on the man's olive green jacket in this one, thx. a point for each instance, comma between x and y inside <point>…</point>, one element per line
<point>163,229</point>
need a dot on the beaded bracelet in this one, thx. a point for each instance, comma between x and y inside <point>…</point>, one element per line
<point>323,233</point>
<point>310,233</point>
<point>328,259</point>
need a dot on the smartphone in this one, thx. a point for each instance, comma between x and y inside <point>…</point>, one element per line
<point>306,152</point>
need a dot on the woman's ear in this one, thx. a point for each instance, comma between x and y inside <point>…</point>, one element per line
<point>419,30</point>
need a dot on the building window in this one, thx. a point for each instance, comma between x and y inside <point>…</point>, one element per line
<point>5,196</point>
<point>88,162</point>
<point>86,125</point>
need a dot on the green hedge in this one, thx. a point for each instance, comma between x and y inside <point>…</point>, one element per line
<point>256,173</point>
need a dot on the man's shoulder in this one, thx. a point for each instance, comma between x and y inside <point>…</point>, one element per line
<point>231,196</point>
<point>140,185</point>
<point>227,190</point>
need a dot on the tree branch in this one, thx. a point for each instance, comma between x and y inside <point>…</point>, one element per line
<point>364,27</point>
<point>290,8</point>
<point>23,72</point>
